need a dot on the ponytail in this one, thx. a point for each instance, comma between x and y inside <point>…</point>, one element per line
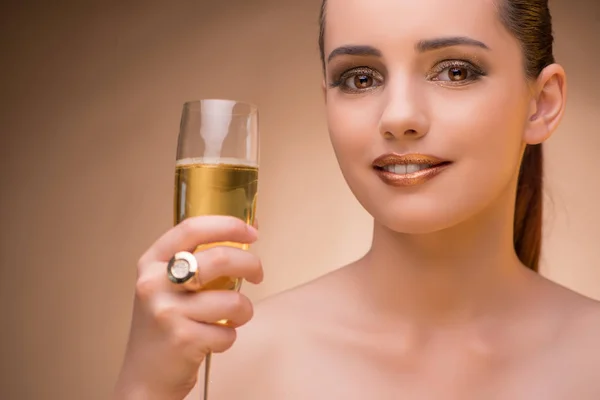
<point>529,208</point>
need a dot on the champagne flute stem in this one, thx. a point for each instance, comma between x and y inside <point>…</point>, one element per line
<point>206,375</point>
<point>208,358</point>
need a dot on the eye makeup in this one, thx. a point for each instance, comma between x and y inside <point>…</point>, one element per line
<point>449,69</point>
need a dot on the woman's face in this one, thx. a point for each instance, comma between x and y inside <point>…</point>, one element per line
<point>441,78</point>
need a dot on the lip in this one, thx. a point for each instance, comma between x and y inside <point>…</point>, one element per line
<point>409,179</point>
<point>406,159</point>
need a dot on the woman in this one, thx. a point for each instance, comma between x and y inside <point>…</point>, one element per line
<point>437,111</point>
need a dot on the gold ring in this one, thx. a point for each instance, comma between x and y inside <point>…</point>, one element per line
<point>182,269</point>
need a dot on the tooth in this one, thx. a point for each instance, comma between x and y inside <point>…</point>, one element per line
<point>413,168</point>
<point>401,169</point>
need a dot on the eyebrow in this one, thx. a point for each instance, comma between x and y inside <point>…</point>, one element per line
<point>439,43</point>
<point>422,46</point>
<point>354,51</point>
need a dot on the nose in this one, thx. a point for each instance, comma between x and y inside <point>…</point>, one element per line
<point>404,114</point>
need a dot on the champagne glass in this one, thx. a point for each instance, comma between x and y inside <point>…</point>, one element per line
<point>216,172</point>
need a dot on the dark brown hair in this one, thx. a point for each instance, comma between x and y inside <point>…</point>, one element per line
<point>531,23</point>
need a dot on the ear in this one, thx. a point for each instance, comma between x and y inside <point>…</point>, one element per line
<point>548,104</point>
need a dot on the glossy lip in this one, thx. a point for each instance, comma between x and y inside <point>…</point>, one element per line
<point>406,159</point>
<point>412,179</point>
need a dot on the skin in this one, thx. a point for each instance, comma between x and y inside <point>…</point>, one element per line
<point>440,307</point>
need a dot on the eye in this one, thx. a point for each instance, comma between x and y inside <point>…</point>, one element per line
<point>456,72</point>
<point>358,80</point>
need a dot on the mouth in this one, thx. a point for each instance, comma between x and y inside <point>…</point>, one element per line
<point>409,169</point>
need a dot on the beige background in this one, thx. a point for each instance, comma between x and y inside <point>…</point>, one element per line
<point>91,95</point>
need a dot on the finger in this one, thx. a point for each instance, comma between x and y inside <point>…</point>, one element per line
<point>210,307</point>
<point>194,341</point>
<point>216,338</point>
<point>223,261</point>
<point>194,231</point>
<point>214,306</point>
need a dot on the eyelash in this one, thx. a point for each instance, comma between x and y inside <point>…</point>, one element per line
<point>446,64</point>
<point>475,73</point>
<point>359,71</point>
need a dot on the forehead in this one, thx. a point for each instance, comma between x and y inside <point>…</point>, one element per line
<point>381,22</point>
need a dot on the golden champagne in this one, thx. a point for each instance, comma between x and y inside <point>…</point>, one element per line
<point>216,187</point>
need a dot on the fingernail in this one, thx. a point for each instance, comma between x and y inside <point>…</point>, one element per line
<point>253,230</point>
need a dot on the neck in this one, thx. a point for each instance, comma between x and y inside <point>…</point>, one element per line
<point>448,276</point>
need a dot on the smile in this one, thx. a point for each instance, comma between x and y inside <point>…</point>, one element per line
<point>408,170</point>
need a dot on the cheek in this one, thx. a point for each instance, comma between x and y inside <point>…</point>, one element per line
<point>353,128</point>
<point>485,131</point>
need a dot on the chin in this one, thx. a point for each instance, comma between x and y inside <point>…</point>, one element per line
<point>444,202</point>
<point>421,210</point>
<point>417,219</point>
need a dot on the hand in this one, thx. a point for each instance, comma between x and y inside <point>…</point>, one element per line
<point>172,329</point>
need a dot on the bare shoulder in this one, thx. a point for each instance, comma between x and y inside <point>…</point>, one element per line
<point>579,348</point>
<point>582,311</point>
<point>586,321</point>
<point>580,324</point>
<point>267,344</point>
